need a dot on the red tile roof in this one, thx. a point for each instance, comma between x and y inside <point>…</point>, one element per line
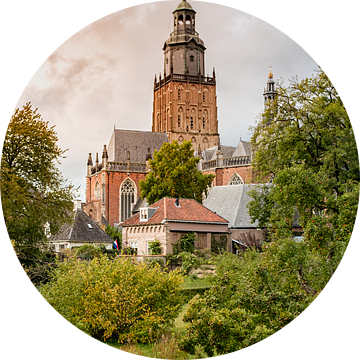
<point>188,211</point>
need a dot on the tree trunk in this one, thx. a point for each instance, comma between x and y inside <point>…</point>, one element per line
<point>308,289</point>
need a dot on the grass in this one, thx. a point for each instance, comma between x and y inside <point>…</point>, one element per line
<point>165,347</point>
<point>193,282</point>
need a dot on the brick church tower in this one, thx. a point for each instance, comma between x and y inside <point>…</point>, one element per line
<point>184,104</point>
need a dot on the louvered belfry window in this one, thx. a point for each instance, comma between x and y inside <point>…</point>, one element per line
<point>127,198</point>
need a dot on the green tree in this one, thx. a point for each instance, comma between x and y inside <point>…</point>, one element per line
<point>174,174</point>
<point>115,233</point>
<point>304,142</point>
<point>247,302</point>
<point>120,300</point>
<point>33,191</point>
<point>308,148</point>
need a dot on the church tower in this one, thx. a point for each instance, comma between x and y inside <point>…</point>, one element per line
<point>184,104</point>
<point>269,94</point>
<point>269,91</point>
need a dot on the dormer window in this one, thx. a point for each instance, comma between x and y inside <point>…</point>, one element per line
<point>143,214</point>
<point>146,213</point>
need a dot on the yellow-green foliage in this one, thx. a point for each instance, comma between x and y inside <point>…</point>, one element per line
<point>121,299</point>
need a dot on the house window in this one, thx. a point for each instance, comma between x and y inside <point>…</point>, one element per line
<point>149,252</point>
<point>127,198</point>
<point>191,57</point>
<point>134,246</point>
<point>143,215</point>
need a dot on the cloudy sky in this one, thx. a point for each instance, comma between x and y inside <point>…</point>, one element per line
<point>103,75</point>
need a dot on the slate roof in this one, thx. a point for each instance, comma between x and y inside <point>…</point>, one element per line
<point>188,211</point>
<point>141,203</point>
<point>80,231</point>
<point>230,202</point>
<point>243,149</point>
<point>227,151</point>
<point>137,142</point>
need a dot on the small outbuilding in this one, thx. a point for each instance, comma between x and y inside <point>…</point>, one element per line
<point>167,220</point>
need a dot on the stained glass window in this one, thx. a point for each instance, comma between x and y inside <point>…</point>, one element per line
<point>127,198</point>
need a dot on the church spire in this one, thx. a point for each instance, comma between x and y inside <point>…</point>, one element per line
<point>270,90</point>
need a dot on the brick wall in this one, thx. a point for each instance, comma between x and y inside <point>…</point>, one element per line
<point>115,181</point>
<point>112,182</point>
<point>143,234</point>
<point>223,175</point>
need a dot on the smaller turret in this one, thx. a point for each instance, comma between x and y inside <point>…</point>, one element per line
<point>270,90</point>
<point>105,157</point>
<point>89,164</point>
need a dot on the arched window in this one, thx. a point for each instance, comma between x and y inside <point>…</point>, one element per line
<point>205,95</point>
<point>180,94</point>
<point>180,117</point>
<point>188,19</point>
<point>127,198</point>
<point>205,120</point>
<point>97,191</point>
<point>181,21</point>
<point>235,180</point>
<point>192,119</point>
<point>205,143</point>
<point>193,95</point>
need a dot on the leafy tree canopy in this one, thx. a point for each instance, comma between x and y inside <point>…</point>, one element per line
<point>33,191</point>
<point>174,174</point>
<point>304,141</point>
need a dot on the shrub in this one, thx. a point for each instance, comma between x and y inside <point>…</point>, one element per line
<point>185,244</point>
<point>119,300</point>
<point>251,298</point>
<point>156,262</point>
<point>155,248</point>
<point>219,246</point>
<point>88,252</point>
